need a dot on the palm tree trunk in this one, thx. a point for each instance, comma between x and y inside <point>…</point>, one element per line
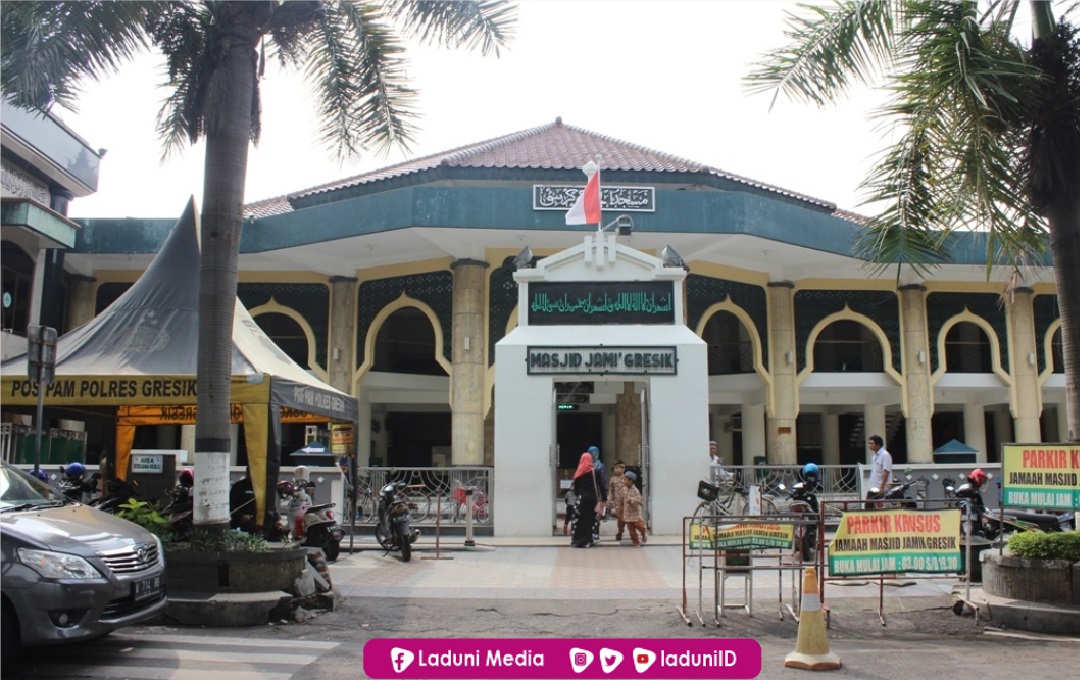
<point>1064,219</point>
<point>228,132</point>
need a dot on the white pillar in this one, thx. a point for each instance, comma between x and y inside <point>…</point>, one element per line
<point>830,438</point>
<point>187,442</point>
<point>363,433</point>
<point>753,432</point>
<point>234,452</point>
<point>975,429</point>
<point>874,418</point>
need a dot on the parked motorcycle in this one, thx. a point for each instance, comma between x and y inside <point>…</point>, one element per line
<point>181,508</point>
<point>895,496</point>
<point>312,524</point>
<point>803,501</point>
<point>992,523</point>
<point>394,530</point>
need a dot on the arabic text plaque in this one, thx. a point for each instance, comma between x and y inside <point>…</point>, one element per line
<point>601,303</point>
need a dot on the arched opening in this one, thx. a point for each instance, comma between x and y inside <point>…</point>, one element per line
<point>967,349</point>
<point>417,430</point>
<point>406,344</point>
<point>847,347</point>
<point>1057,352</point>
<point>18,280</point>
<point>286,334</point>
<point>730,348</point>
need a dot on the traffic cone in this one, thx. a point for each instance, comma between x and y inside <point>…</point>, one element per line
<point>812,646</point>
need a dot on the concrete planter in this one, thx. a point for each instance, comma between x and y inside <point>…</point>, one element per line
<point>234,572</point>
<point>1051,581</point>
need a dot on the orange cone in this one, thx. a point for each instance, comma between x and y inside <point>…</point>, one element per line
<point>812,646</point>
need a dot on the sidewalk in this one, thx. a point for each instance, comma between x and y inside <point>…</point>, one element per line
<point>547,568</point>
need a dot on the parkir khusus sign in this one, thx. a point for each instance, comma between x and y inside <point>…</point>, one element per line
<point>890,541</point>
<point>1041,476</point>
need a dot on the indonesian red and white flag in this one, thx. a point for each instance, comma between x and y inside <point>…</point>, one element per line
<point>586,210</point>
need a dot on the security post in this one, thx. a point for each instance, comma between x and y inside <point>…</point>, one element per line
<point>41,369</point>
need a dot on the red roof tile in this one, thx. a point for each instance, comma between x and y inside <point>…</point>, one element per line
<point>552,146</point>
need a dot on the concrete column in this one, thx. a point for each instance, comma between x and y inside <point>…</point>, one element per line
<point>363,433</point>
<point>874,418</point>
<point>918,391</point>
<point>81,304</point>
<point>628,425</point>
<point>340,361</point>
<point>830,438</point>
<point>975,429</point>
<point>187,441</point>
<point>468,357</point>
<point>753,435</point>
<point>783,401</point>
<point>1026,395</point>
<point>1062,422</point>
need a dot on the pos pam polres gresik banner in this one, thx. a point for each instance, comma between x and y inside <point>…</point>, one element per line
<point>890,541</point>
<point>1041,476</point>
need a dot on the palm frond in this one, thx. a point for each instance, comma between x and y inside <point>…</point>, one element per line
<point>829,49</point>
<point>456,23</point>
<point>356,67</point>
<point>181,34</point>
<point>48,47</point>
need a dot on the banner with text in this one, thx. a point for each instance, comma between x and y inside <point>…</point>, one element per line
<point>890,541</point>
<point>742,536</point>
<point>1041,475</point>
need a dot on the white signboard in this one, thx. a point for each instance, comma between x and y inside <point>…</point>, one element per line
<point>147,463</point>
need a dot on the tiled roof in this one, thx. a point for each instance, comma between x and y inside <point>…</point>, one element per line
<point>552,146</point>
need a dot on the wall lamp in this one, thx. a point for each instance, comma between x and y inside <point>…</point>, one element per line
<point>624,225</point>
<point>789,357</point>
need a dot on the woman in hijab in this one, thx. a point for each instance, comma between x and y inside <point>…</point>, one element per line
<point>589,491</point>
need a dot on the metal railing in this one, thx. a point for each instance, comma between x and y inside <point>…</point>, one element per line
<point>838,482</point>
<point>440,495</point>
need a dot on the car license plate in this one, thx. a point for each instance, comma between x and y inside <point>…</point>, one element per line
<point>147,588</point>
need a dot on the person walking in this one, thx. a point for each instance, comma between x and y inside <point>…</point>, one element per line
<point>589,492</point>
<point>631,510</point>
<point>601,475</point>
<point>880,470</point>
<point>616,491</point>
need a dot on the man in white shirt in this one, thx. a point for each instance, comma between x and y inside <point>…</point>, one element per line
<point>716,465</point>
<point>880,469</point>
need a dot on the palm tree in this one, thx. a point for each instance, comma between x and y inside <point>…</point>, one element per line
<point>215,53</point>
<point>988,130</point>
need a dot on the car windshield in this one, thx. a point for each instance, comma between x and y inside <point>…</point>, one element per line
<point>20,491</point>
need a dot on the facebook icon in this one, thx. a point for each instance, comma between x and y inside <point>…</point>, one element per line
<point>401,659</point>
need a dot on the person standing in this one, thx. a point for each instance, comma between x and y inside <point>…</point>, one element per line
<point>880,469</point>
<point>589,492</point>
<point>616,491</point>
<point>716,465</point>
<point>631,510</point>
<point>601,474</point>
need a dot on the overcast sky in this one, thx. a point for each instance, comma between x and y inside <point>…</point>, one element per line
<point>665,75</point>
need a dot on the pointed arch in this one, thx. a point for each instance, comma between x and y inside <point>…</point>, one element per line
<point>747,323</point>
<point>272,306</point>
<point>401,302</point>
<point>967,316</point>
<point>847,314</point>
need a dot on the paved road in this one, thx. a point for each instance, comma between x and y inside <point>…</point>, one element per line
<point>557,592</point>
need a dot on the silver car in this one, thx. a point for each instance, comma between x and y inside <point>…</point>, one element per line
<point>70,571</point>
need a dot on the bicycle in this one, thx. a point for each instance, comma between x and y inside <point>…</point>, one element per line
<point>480,502</point>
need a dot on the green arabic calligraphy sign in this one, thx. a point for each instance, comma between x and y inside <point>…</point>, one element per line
<point>600,303</point>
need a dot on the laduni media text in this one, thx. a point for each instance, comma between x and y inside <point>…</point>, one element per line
<point>520,658</point>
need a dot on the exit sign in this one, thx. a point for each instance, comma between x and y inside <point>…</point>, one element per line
<point>566,407</point>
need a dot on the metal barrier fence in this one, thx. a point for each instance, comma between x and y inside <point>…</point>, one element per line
<point>716,547</point>
<point>436,495</point>
<point>838,483</point>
